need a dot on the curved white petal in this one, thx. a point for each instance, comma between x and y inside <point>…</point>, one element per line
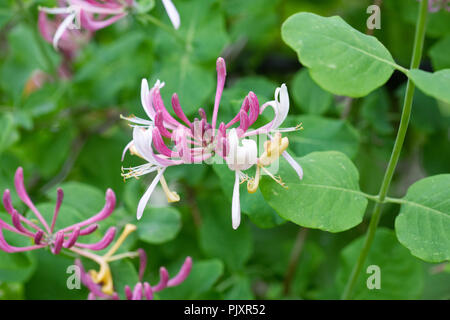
<point>62,28</point>
<point>144,200</point>
<point>126,149</point>
<point>280,107</point>
<point>236,206</point>
<point>172,13</point>
<point>294,164</point>
<point>146,100</point>
<point>241,157</point>
<point>142,139</point>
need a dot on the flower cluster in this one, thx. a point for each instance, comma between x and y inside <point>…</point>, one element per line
<point>90,15</point>
<point>45,235</point>
<point>141,289</point>
<point>199,140</point>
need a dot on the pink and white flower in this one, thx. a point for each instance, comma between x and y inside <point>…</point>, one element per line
<point>199,140</point>
<point>142,289</point>
<point>44,234</point>
<point>90,15</point>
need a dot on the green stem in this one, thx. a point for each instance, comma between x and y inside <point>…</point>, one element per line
<point>39,41</point>
<point>160,24</point>
<point>404,121</point>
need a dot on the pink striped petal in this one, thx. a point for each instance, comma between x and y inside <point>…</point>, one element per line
<point>221,75</point>
<point>72,238</point>
<point>102,244</point>
<point>148,291</point>
<point>164,279</point>
<point>182,274</point>
<point>178,110</point>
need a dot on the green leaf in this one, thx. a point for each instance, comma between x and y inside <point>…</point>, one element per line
<point>159,225</point>
<point>107,55</point>
<point>8,133</point>
<point>192,83</point>
<point>426,115</point>
<point>436,153</point>
<point>401,275</point>
<point>217,237</point>
<point>123,273</point>
<point>308,95</point>
<point>375,108</point>
<point>254,23</point>
<point>341,59</point>
<point>50,279</point>
<point>439,53</point>
<point>203,30</point>
<point>436,84</point>
<point>328,197</point>
<point>11,291</point>
<point>322,134</point>
<point>81,196</point>
<point>241,289</point>
<point>424,221</point>
<point>16,267</point>
<point>201,279</point>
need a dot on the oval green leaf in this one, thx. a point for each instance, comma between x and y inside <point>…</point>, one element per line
<point>340,59</point>
<point>322,134</point>
<point>328,198</point>
<point>308,95</point>
<point>423,225</point>
<point>400,275</point>
<point>159,225</point>
<point>435,84</point>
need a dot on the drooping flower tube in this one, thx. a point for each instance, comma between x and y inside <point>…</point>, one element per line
<point>43,234</point>
<point>91,15</point>
<point>199,140</point>
<point>142,289</point>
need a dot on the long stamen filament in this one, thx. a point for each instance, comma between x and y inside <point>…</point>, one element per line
<point>253,183</point>
<point>276,179</point>
<point>129,228</point>
<point>172,196</point>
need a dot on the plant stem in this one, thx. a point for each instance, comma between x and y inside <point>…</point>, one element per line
<point>160,24</point>
<point>404,121</point>
<point>293,261</point>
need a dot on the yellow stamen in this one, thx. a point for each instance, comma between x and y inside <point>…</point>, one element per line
<point>273,149</point>
<point>104,276</point>
<point>134,151</point>
<point>129,228</point>
<point>275,178</point>
<point>172,196</point>
<point>253,183</point>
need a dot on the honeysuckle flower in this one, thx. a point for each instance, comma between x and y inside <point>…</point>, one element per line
<point>68,40</point>
<point>140,290</point>
<point>43,234</point>
<point>102,279</point>
<point>199,140</point>
<point>90,15</point>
